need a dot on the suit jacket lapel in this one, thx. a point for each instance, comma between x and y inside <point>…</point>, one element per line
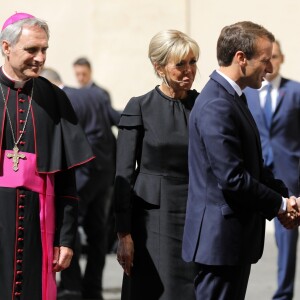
<point>248,115</point>
<point>281,94</point>
<point>243,108</point>
<point>225,84</point>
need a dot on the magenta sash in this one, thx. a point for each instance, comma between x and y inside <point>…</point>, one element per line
<point>43,184</point>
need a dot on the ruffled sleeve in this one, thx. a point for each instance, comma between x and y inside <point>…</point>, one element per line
<point>129,144</point>
<point>131,115</point>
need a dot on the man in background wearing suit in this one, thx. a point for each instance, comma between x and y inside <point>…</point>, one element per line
<point>83,73</point>
<point>276,110</point>
<point>231,193</point>
<point>94,184</point>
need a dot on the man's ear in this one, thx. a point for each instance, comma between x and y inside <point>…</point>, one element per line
<point>241,59</point>
<point>5,47</point>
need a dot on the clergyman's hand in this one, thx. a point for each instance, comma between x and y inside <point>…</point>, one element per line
<point>290,219</point>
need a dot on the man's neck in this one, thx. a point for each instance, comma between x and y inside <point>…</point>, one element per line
<point>234,73</point>
<point>10,72</point>
<point>234,84</point>
<point>88,85</point>
<point>18,83</point>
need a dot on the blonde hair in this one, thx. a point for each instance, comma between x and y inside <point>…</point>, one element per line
<point>171,44</point>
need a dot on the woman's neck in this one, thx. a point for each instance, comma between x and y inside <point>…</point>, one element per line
<point>168,91</point>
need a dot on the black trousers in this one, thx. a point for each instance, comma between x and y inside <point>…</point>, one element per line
<point>222,282</point>
<point>94,207</point>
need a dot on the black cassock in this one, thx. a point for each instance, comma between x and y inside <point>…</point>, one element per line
<point>28,227</point>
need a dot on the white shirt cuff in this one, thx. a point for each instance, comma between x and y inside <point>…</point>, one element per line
<point>283,206</point>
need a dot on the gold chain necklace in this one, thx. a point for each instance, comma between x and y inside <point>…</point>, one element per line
<point>16,155</point>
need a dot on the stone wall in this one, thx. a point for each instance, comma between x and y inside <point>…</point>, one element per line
<point>115,34</point>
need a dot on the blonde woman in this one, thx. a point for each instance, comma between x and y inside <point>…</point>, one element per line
<point>152,175</point>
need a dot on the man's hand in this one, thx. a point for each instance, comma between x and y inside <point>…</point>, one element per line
<point>125,252</point>
<point>291,218</point>
<point>61,258</point>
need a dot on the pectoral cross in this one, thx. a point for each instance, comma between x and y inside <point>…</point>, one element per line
<point>15,157</point>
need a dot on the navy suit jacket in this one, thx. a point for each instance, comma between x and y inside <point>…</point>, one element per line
<point>112,116</point>
<point>284,134</point>
<point>91,113</point>
<point>229,193</point>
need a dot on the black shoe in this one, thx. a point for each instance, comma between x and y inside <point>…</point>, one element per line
<point>86,297</point>
<point>68,295</point>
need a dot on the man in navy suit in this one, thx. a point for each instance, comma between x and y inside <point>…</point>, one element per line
<point>280,140</point>
<point>231,193</point>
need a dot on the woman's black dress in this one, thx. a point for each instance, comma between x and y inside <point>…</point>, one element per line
<point>151,193</point>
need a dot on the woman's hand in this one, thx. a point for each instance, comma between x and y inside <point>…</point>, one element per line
<point>125,252</point>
